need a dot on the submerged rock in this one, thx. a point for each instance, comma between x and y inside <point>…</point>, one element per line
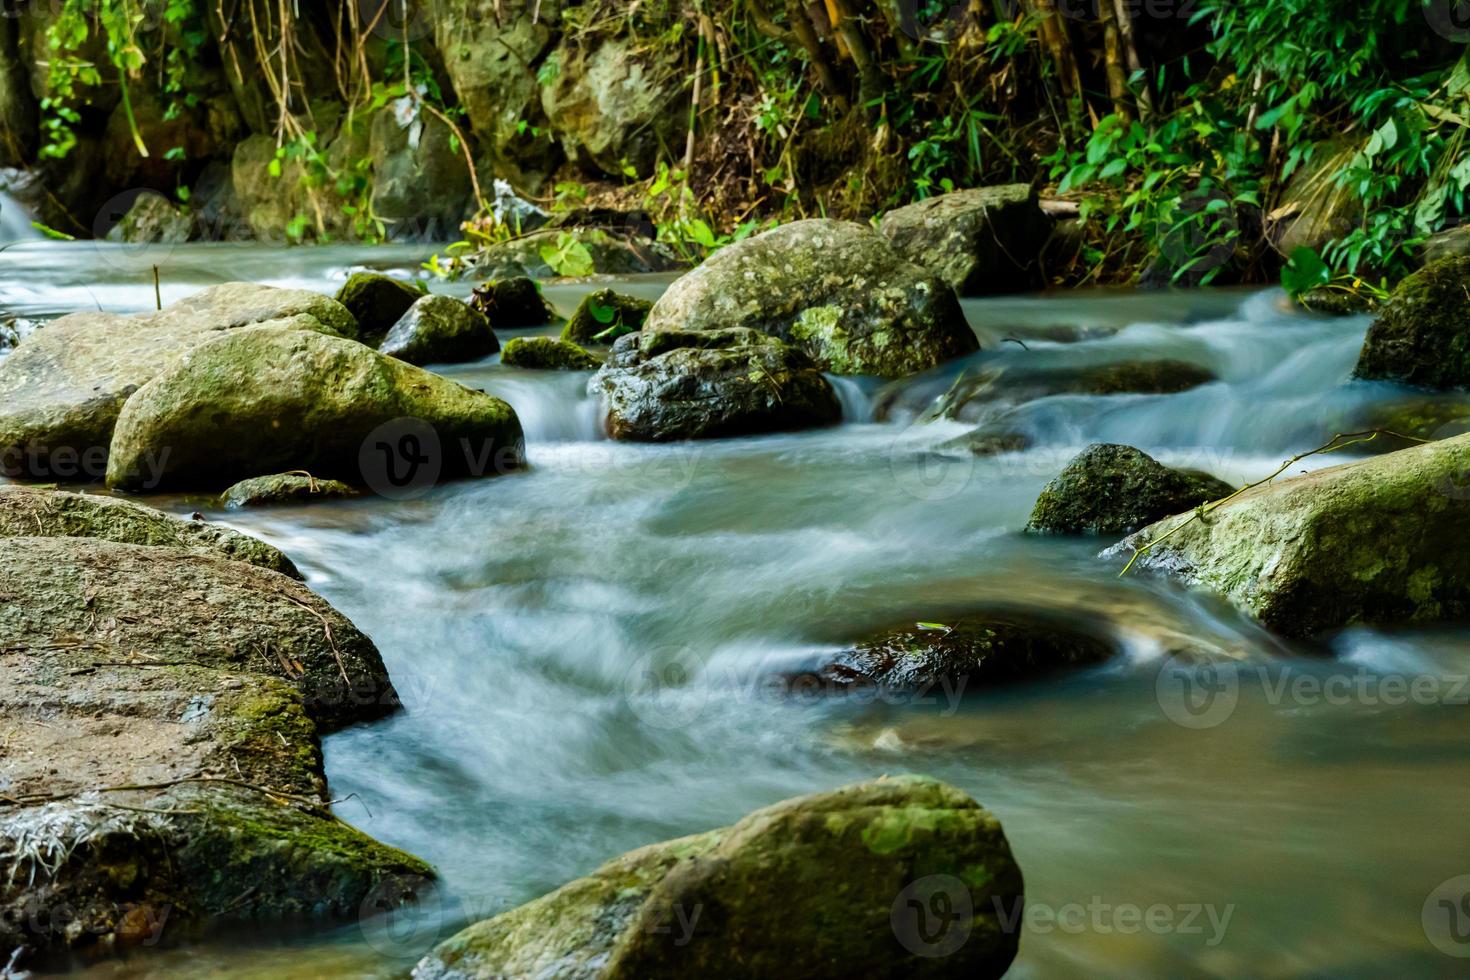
<point>836,289</point>
<point>163,773</point>
<point>61,390</point>
<point>547,354</point>
<point>664,386</point>
<point>265,401</point>
<point>440,330</point>
<point>512,303</point>
<point>283,488</point>
<point>604,315</point>
<point>1422,334</point>
<point>378,301</point>
<point>966,654</point>
<point>817,886</point>
<point>1377,541</point>
<point>1110,489</point>
<point>982,241</point>
<point>33,512</point>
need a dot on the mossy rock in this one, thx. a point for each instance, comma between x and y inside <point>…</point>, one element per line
<point>982,241</point>
<point>152,218</point>
<point>266,401</point>
<point>836,289</point>
<point>701,385</point>
<point>61,390</point>
<point>283,488</point>
<point>547,354</point>
<point>440,330</point>
<point>512,303</point>
<point>1373,542</point>
<point>549,253</point>
<point>947,659</point>
<point>378,302</point>
<point>1330,301</point>
<point>33,512</point>
<point>1110,489</point>
<point>603,316</point>
<point>810,888</point>
<point>1422,334</point>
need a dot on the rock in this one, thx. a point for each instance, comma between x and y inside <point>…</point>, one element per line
<point>705,385</point>
<point>990,439</point>
<point>1110,489</point>
<point>421,180</point>
<point>440,330</point>
<point>1315,208</point>
<point>33,512</point>
<point>267,400</point>
<point>512,303</point>
<point>614,102</point>
<point>1448,244</point>
<point>271,193</point>
<point>158,668</point>
<point>283,488</point>
<point>836,289</point>
<point>604,316</point>
<point>378,302</point>
<point>1005,385</point>
<point>983,241</point>
<point>124,602</point>
<point>572,253</point>
<point>152,218</point>
<point>1422,334</point>
<point>808,888</point>
<point>547,354</point>
<point>962,655</point>
<point>62,388</point>
<point>1376,541</point>
<point>1409,422</point>
<point>1330,301</point>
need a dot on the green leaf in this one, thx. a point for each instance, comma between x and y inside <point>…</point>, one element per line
<point>1303,271</point>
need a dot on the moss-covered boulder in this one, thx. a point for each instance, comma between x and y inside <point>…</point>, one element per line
<point>573,253</point>
<point>836,289</point>
<point>162,605</point>
<point>266,401</point>
<point>33,512</point>
<point>703,385</point>
<point>961,654</point>
<point>378,302</point>
<point>982,241</point>
<point>815,887</point>
<point>1110,489</point>
<point>61,390</point>
<point>547,354</point>
<point>1422,334</point>
<point>512,303</point>
<point>440,330</point>
<point>283,488</point>
<point>163,773</point>
<point>605,315</point>
<point>1372,542</point>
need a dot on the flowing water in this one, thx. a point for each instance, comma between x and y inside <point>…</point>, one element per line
<point>583,649</point>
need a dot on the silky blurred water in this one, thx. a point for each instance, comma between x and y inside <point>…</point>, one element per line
<point>582,648</point>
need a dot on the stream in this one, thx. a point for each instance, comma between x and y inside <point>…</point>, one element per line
<point>585,649</point>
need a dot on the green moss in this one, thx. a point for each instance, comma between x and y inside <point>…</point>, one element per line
<point>1422,336</point>
<point>377,302</point>
<point>547,354</point>
<point>605,315</point>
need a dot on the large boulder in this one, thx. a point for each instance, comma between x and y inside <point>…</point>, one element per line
<point>982,241</point>
<point>964,654</point>
<point>162,772</point>
<point>61,390</point>
<point>1372,542</point>
<point>1110,489</point>
<point>440,330</point>
<point>605,315</point>
<point>378,301</point>
<point>1422,334</point>
<point>547,354</point>
<point>421,178</point>
<point>161,605</point>
<point>828,885</point>
<point>33,512</point>
<point>836,289</point>
<point>283,488</point>
<point>667,385</point>
<point>264,401</point>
